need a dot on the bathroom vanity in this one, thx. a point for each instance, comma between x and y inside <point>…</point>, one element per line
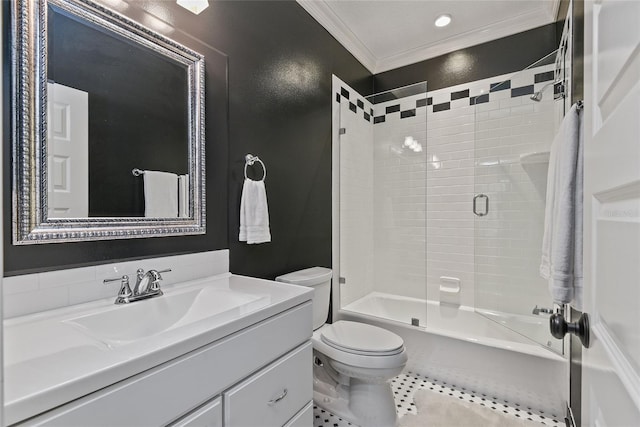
<point>220,351</point>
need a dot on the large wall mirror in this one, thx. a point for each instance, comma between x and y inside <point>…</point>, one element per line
<point>108,127</point>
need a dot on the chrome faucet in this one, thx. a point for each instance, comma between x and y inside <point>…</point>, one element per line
<point>537,310</point>
<point>147,286</point>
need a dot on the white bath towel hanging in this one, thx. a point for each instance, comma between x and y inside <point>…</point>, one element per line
<point>183,196</point>
<point>561,261</point>
<point>160,194</point>
<point>254,213</point>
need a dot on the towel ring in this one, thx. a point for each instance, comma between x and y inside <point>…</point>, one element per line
<point>249,161</point>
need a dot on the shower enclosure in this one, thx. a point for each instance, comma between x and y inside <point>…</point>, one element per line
<point>513,136</point>
<point>439,204</point>
<point>382,161</point>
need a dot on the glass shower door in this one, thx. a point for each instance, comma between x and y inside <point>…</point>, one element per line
<point>382,205</point>
<point>513,137</point>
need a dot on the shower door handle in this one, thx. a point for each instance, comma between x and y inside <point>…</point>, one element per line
<point>486,204</point>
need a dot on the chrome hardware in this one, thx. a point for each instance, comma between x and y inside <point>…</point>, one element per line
<point>279,398</point>
<point>537,310</point>
<point>317,362</point>
<point>560,327</point>
<point>147,286</point>
<point>486,204</point>
<point>124,294</point>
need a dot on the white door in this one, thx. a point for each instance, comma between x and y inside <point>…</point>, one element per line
<point>611,366</point>
<point>67,152</point>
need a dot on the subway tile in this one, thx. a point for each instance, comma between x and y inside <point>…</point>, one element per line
<point>521,91</point>
<point>352,107</point>
<point>441,107</point>
<point>20,284</point>
<point>33,302</point>
<point>480,99</point>
<point>392,109</point>
<point>504,85</point>
<point>344,93</point>
<point>407,113</point>
<point>544,77</point>
<point>459,94</point>
<point>52,279</point>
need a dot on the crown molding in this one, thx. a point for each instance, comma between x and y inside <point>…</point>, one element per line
<point>326,17</point>
<point>480,35</point>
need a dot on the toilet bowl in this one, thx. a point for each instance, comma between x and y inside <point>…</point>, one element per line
<point>353,362</point>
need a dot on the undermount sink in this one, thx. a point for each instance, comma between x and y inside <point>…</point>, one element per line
<point>119,325</point>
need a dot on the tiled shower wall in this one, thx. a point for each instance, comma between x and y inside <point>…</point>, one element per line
<point>423,225</point>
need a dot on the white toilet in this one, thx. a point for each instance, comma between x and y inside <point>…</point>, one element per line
<point>353,362</point>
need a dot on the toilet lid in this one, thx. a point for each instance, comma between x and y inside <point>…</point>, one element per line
<point>360,338</point>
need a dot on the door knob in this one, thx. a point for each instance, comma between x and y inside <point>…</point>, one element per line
<point>560,327</point>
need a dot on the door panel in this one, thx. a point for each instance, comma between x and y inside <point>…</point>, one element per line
<point>611,366</point>
<point>68,152</point>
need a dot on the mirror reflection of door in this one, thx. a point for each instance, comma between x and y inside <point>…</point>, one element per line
<point>67,152</point>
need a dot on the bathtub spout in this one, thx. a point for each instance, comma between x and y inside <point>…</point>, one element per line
<point>537,310</point>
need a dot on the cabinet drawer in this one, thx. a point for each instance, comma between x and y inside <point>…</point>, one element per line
<point>304,418</point>
<point>210,415</point>
<point>274,395</point>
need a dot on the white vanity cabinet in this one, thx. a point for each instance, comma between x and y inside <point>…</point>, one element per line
<point>259,376</point>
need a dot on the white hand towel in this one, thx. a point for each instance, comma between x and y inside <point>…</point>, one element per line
<point>183,196</point>
<point>160,194</point>
<point>254,213</point>
<point>561,261</point>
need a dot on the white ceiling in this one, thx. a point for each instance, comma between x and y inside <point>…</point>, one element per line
<point>387,34</point>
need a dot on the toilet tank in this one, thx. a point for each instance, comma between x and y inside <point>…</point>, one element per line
<point>319,278</point>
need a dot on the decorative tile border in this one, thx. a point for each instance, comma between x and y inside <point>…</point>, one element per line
<point>460,92</point>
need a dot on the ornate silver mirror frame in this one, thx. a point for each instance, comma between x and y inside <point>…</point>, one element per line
<point>29,130</point>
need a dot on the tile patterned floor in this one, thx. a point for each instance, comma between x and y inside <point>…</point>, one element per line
<point>405,385</point>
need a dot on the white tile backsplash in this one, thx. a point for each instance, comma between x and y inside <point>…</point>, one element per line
<point>32,293</point>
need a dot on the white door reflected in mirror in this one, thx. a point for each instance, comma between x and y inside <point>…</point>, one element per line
<point>67,152</point>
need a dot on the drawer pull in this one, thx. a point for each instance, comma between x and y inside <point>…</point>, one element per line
<point>279,398</point>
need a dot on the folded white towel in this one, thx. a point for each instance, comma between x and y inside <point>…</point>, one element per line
<point>254,213</point>
<point>160,194</point>
<point>183,196</point>
<point>561,261</point>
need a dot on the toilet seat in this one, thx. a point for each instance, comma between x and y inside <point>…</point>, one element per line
<point>361,339</point>
<point>388,356</point>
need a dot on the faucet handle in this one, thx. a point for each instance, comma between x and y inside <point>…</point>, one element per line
<point>156,277</point>
<point>125,290</point>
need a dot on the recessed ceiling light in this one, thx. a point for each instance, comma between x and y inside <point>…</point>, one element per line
<point>443,20</point>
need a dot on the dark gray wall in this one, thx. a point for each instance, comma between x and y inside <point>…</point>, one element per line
<point>502,56</point>
<point>268,94</point>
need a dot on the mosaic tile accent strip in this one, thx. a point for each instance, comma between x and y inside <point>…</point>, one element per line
<point>405,386</point>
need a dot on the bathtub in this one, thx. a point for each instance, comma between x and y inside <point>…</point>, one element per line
<point>466,349</point>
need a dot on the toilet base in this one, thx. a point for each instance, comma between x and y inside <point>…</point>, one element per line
<point>360,403</point>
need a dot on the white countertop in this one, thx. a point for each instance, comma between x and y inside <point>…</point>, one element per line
<point>48,361</point>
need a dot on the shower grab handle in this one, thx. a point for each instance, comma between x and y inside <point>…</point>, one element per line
<point>486,204</point>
